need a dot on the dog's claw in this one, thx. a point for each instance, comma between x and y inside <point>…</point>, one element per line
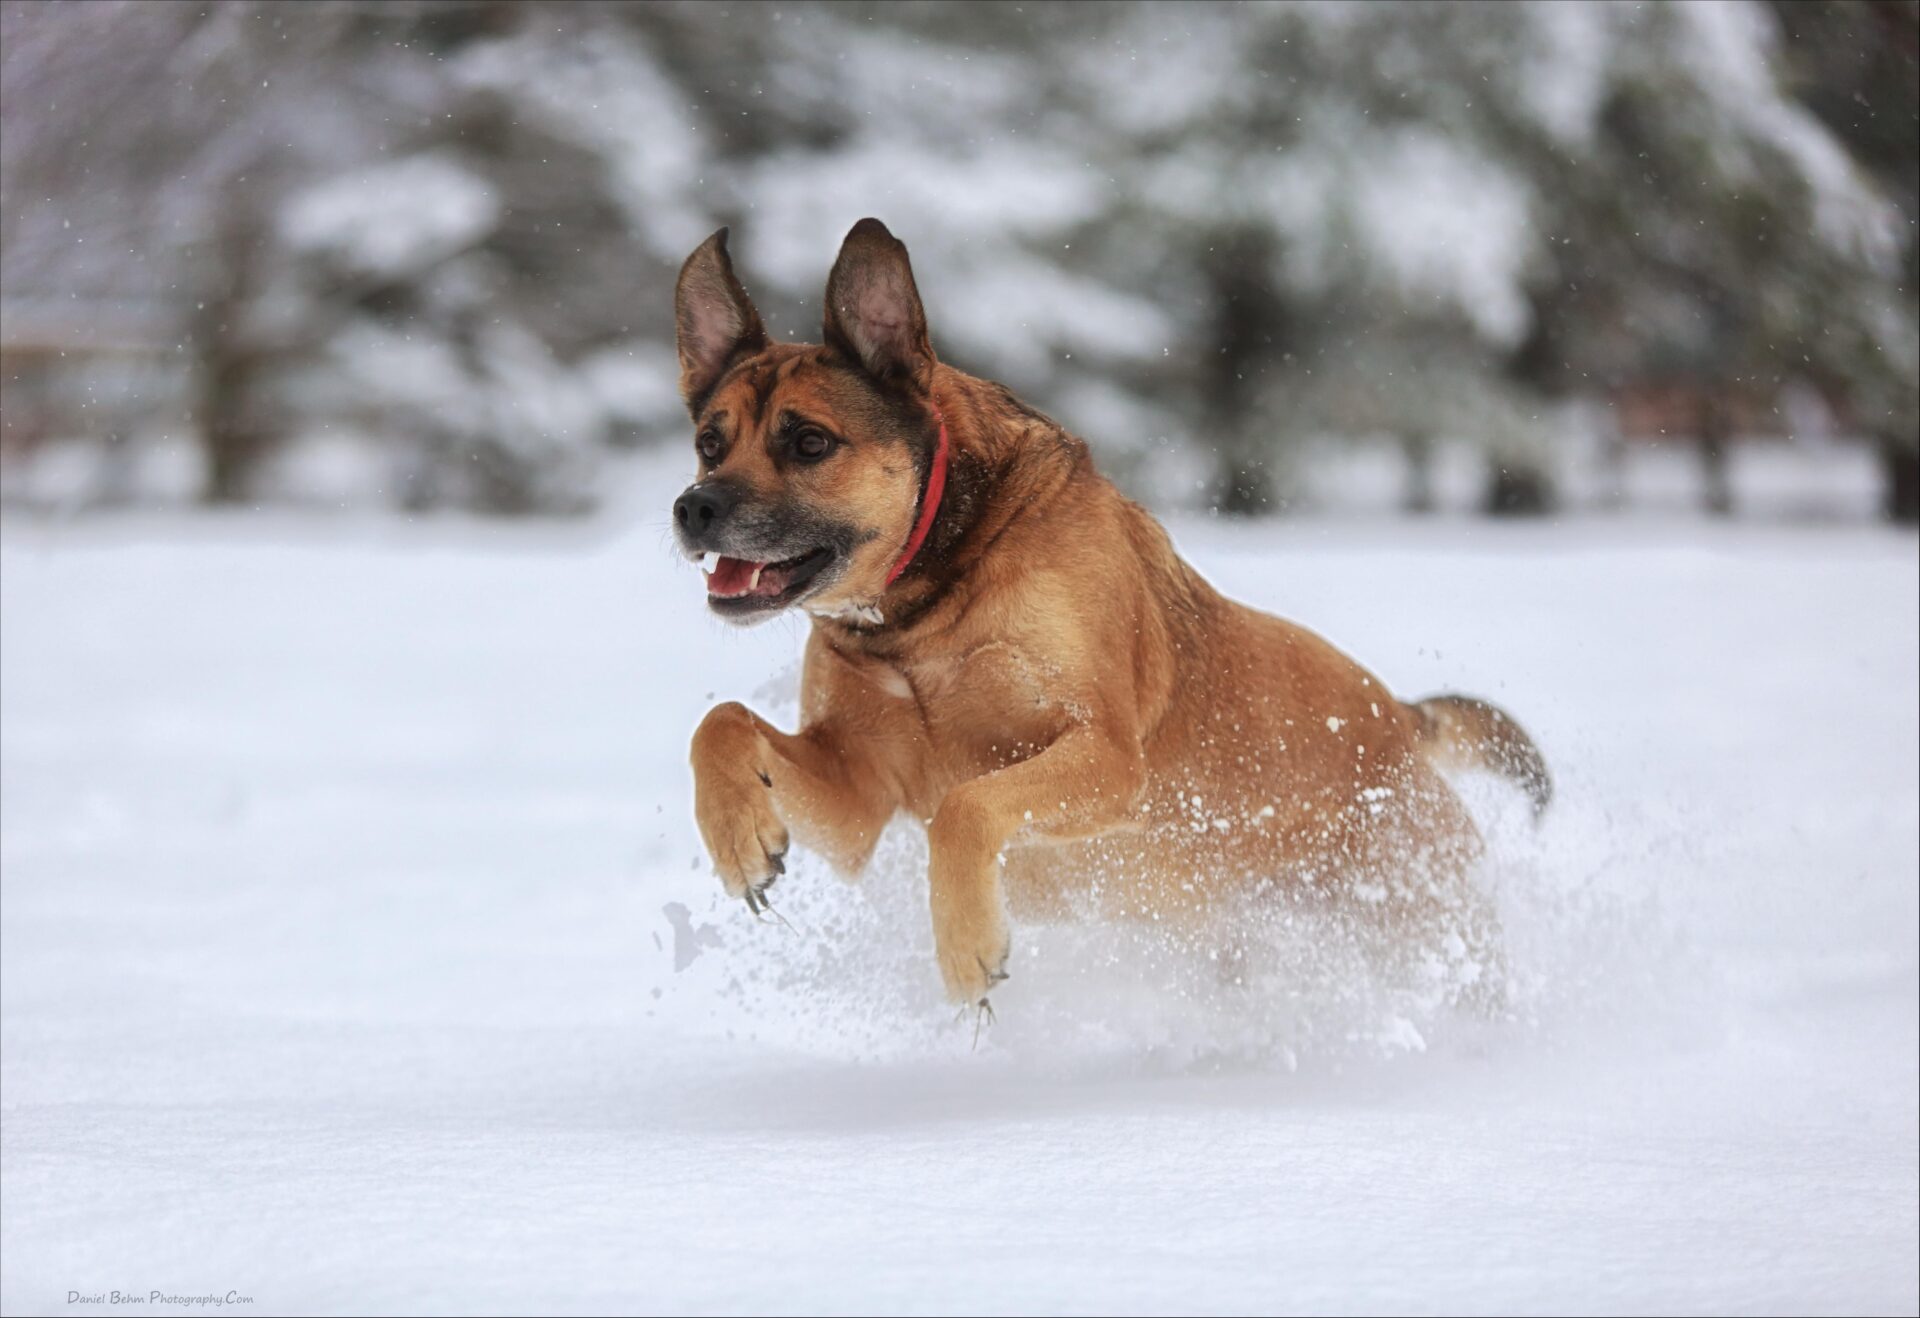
<point>767,906</point>
<point>982,1014</point>
<point>779,862</point>
<point>758,903</point>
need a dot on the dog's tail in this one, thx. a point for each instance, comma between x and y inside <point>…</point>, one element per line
<point>1460,732</point>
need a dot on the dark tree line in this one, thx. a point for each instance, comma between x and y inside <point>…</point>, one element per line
<point>1222,231</point>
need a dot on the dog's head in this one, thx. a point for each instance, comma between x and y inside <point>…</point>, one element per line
<point>812,458</point>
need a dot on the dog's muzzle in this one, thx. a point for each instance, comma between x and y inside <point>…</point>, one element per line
<point>700,513</point>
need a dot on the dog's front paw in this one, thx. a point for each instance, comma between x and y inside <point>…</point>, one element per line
<point>973,952</point>
<point>969,921</point>
<point>744,836</point>
<point>734,808</point>
<point>971,973</point>
<point>733,804</point>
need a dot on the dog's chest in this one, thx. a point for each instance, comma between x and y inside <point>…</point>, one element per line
<point>992,706</point>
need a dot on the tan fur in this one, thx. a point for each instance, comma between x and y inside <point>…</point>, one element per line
<point>1081,721</point>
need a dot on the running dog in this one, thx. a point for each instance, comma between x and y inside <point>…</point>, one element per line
<point>1009,650</point>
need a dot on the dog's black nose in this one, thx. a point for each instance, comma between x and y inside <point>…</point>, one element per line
<point>703,505</point>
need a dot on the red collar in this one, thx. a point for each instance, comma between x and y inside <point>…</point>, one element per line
<point>929,502</point>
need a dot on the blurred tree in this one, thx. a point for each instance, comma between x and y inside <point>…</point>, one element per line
<point>355,229</point>
<point>1326,240</point>
<point>149,147</point>
<point>1856,65</point>
<point>1698,227</point>
<point>1239,230</point>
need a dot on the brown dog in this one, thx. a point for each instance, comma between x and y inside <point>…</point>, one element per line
<point>1009,650</point>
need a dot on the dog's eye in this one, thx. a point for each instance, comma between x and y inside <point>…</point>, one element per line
<point>709,446</point>
<point>811,444</point>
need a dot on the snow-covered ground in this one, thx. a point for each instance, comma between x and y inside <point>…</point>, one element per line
<point>358,955</point>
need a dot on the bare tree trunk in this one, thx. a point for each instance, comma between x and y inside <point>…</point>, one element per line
<point>1245,487</point>
<point>1613,464</point>
<point>1714,432</point>
<point>233,441</point>
<point>1418,448</point>
<point>1900,469</point>
<point>233,433</point>
<point>1518,490</point>
<point>1249,318</point>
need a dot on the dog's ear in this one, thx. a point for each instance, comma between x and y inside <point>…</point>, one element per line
<point>715,319</point>
<point>873,309</point>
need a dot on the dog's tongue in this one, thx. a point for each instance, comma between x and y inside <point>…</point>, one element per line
<point>733,577</point>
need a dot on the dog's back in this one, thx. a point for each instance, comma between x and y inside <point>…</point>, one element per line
<point>1271,755</point>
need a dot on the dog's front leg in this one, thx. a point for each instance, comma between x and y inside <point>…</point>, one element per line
<point>751,780</point>
<point>1083,784</point>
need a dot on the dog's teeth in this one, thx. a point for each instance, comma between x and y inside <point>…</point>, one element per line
<point>755,583</point>
<point>708,560</point>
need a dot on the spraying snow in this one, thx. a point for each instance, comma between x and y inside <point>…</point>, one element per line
<point>359,955</point>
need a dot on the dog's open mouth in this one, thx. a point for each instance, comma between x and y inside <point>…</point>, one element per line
<point>740,585</point>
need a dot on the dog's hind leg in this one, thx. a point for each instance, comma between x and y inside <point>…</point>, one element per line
<point>1419,864</point>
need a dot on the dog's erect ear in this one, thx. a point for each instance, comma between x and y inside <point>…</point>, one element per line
<point>873,309</point>
<point>715,318</point>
